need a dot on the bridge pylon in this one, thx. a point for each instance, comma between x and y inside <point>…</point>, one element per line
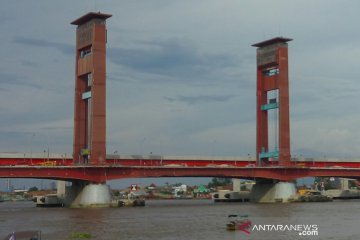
<point>90,89</point>
<point>272,94</point>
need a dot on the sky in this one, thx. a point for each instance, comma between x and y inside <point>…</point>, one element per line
<point>181,75</point>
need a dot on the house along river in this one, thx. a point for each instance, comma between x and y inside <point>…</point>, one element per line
<point>187,219</point>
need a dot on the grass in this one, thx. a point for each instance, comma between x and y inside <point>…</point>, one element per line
<point>79,235</point>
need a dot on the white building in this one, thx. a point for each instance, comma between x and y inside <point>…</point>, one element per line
<point>179,191</point>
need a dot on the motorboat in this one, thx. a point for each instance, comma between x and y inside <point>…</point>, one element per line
<point>238,222</point>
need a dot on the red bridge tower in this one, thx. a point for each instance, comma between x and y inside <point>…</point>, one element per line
<point>272,77</point>
<point>90,89</point>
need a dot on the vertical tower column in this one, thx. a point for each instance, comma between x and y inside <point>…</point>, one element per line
<point>272,75</point>
<point>90,89</point>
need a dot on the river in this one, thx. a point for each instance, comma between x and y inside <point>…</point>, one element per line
<point>185,219</point>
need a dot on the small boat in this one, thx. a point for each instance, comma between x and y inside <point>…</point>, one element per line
<point>32,235</point>
<point>238,222</point>
<point>312,196</point>
<point>133,199</point>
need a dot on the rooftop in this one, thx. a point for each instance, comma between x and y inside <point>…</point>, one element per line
<point>87,17</point>
<point>272,41</point>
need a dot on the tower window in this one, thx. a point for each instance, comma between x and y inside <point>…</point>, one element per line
<point>271,72</point>
<point>85,52</point>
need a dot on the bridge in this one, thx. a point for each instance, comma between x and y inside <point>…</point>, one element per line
<point>90,164</point>
<point>58,166</point>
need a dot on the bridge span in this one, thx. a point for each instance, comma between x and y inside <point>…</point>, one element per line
<point>62,167</point>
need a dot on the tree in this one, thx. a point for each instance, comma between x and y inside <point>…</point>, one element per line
<point>216,182</point>
<point>33,189</point>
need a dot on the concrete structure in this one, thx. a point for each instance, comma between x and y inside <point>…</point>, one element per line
<point>264,191</point>
<point>237,194</point>
<point>344,192</point>
<point>272,191</point>
<point>272,76</point>
<point>240,185</point>
<point>61,189</point>
<point>90,89</point>
<point>82,194</point>
<point>231,196</point>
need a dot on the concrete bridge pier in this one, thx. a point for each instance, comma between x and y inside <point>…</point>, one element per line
<point>271,191</point>
<point>83,194</point>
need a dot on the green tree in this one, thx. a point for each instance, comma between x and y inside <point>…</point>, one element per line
<point>216,182</point>
<point>33,189</point>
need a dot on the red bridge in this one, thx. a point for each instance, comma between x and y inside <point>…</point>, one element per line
<point>56,166</point>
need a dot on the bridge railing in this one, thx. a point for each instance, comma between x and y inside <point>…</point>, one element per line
<point>46,159</point>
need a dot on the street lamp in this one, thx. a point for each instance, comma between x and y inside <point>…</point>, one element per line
<point>116,152</point>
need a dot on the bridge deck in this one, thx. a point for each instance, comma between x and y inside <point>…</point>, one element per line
<point>109,172</point>
<point>61,166</point>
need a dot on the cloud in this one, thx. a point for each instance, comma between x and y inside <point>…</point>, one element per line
<point>66,49</point>
<point>56,128</point>
<point>234,140</point>
<point>29,63</point>
<point>199,99</point>
<point>27,134</point>
<point>172,56</point>
<point>12,79</point>
<point>3,19</point>
<point>336,136</point>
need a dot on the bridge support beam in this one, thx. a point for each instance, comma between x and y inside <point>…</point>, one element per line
<point>271,192</point>
<point>87,195</point>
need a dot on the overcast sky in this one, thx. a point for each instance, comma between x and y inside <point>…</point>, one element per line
<point>181,75</point>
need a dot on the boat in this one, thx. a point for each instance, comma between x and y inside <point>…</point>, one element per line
<point>312,196</point>
<point>32,235</point>
<point>238,222</point>
<point>133,199</point>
